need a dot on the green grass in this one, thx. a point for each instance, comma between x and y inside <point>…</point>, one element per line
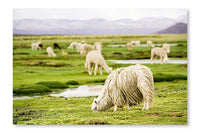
<point>52,84</point>
<point>31,90</point>
<point>169,107</point>
<point>34,68</point>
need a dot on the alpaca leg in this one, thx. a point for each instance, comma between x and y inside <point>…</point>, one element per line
<point>100,70</point>
<point>129,107</point>
<point>147,105</point>
<point>89,69</point>
<point>155,59</point>
<point>49,54</point>
<point>115,108</point>
<point>144,105</point>
<point>96,68</point>
<point>151,60</point>
<point>161,60</point>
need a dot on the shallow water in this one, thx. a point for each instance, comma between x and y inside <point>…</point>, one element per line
<point>141,45</point>
<point>81,91</point>
<point>147,61</point>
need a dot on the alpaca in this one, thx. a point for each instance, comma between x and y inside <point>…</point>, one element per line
<point>76,45</point>
<point>132,42</point>
<point>37,45</point>
<point>50,52</point>
<point>64,53</point>
<point>97,46</point>
<point>129,46</point>
<point>137,43</point>
<point>55,46</point>
<point>72,45</point>
<point>85,48</point>
<point>161,52</point>
<point>149,43</point>
<point>95,58</point>
<point>126,86</point>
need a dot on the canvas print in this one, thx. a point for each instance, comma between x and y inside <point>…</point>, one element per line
<point>99,66</point>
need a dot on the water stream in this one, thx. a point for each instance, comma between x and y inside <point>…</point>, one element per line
<point>147,61</point>
<point>81,91</point>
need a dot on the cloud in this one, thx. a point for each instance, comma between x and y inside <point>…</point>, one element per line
<point>91,13</point>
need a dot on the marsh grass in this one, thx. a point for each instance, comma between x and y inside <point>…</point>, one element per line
<point>32,90</point>
<point>34,71</point>
<point>53,84</point>
<point>169,108</point>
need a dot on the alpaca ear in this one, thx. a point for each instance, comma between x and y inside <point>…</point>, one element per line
<point>95,100</point>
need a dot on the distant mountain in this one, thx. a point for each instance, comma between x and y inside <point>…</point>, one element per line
<point>178,28</point>
<point>91,26</point>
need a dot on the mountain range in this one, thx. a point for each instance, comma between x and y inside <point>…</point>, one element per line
<point>178,28</point>
<point>93,26</point>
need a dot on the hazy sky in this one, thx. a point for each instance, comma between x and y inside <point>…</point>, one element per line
<point>89,13</point>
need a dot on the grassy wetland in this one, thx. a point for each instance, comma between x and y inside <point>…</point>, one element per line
<point>35,74</point>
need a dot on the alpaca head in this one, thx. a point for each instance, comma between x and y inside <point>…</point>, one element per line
<point>110,70</point>
<point>94,105</point>
<point>166,47</point>
<point>54,55</point>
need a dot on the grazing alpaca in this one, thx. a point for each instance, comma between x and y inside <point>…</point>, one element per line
<point>98,46</point>
<point>150,44</point>
<point>72,45</point>
<point>129,46</point>
<point>37,45</point>
<point>76,45</point>
<point>85,48</point>
<point>64,53</point>
<point>161,52</point>
<point>50,52</point>
<point>55,46</point>
<point>137,43</point>
<point>126,86</point>
<point>95,58</point>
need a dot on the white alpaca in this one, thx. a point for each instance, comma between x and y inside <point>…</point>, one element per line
<point>72,45</point>
<point>150,44</point>
<point>95,58</point>
<point>85,48</point>
<point>97,46</point>
<point>126,86</point>
<point>76,45</point>
<point>50,52</point>
<point>137,43</point>
<point>129,46</point>
<point>133,42</point>
<point>161,52</point>
<point>35,46</point>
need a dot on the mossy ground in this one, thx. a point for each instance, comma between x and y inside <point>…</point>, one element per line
<point>31,67</point>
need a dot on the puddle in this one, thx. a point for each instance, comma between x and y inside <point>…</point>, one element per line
<point>146,61</point>
<point>141,45</point>
<point>81,91</point>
